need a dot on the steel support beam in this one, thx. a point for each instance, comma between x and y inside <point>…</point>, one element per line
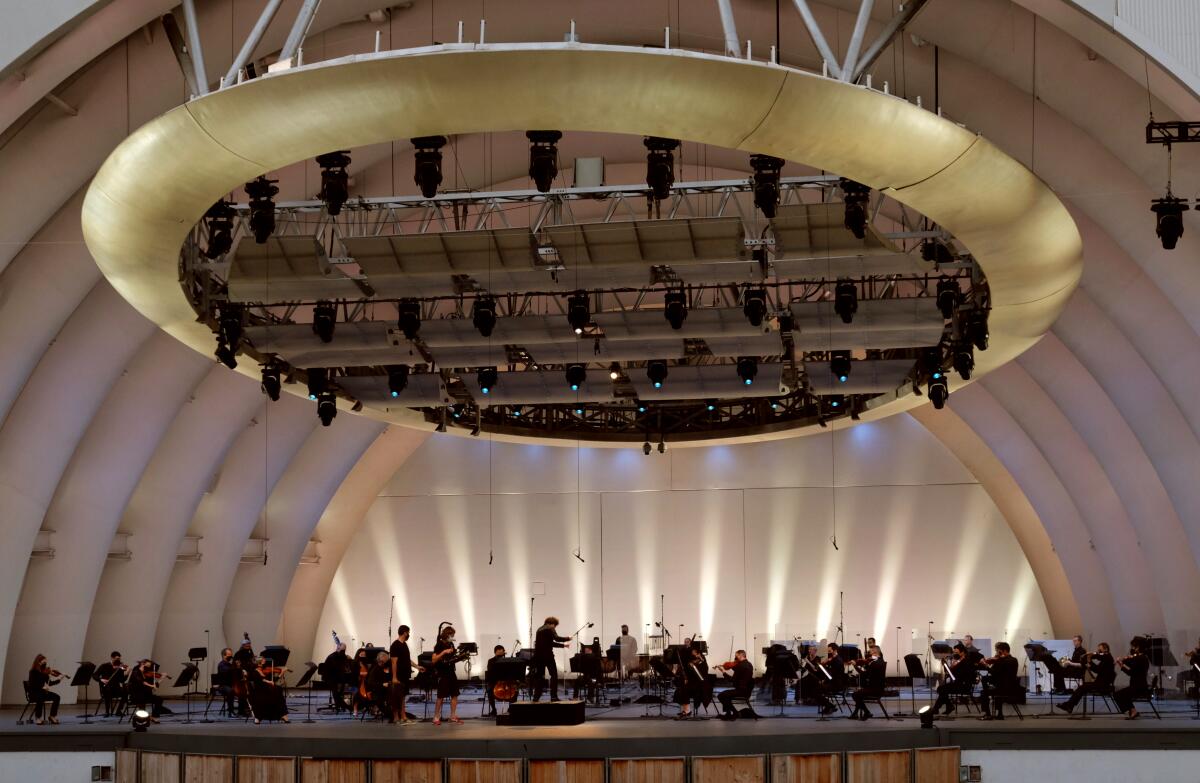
<point>733,45</point>
<point>814,31</point>
<point>192,28</point>
<point>890,31</point>
<point>856,38</point>
<point>182,53</point>
<point>252,40</point>
<point>300,27</point>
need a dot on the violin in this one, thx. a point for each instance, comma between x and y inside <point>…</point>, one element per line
<point>728,665</point>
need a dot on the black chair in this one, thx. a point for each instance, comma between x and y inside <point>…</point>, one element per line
<point>1149,697</point>
<point>888,693</point>
<point>30,706</point>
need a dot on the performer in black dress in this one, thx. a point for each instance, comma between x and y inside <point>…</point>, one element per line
<point>267,701</point>
<point>142,683</point>
<point>447,678</point>
<point>1137,666</point>
<point>1001,685</point>
<point>743,683</point>
<point>545,641</point>
<point>41,677</point>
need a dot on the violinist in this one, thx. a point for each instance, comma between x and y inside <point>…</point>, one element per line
<point>689,682</point>
<point>267,700</point>
<point>1001,685</point>
<point>872,676</point>
<point>142,683</point>
<point>111,676</point>
<point>41,677</point>
<point>1137,666</point>
<point>743,683</point>
<point>402,667</point>
<point>1103,667</point>
<point>960,678</point>
<point>492,676</point>
<point>834,679</point>
<point>447,679</point>
<point>809,676</point>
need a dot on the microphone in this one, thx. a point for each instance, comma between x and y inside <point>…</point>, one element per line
<point>578,556</point>
<point>590,625</point>
<point>833,540</point>
<point>490,558</point>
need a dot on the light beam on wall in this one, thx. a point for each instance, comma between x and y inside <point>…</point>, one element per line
<point>1022,594</point>
<point>517,560</point>
<point>709,572</point>
<point>970,550</point>
<point>895,552</point>
<point>457,536</point>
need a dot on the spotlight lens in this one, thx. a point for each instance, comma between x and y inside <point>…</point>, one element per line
<point>842,378</point>
<point>578,330</point>
<point>712,407</point>
<point>574,387</point>
<point>485,390</point>
<point>579,411</point>
<point>749,381</point>
<point>937,375</point>
<point>395,394</point>
<point>836,403</point>
<point>516,413</point>
<point>141,714</point>
<point>312,397</point>
<point>641,409</point>
<point>658,384</point>
<point>614,375</point>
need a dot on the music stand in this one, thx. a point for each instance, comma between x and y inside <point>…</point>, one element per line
<point>916,668</point>
<point>1161,657</point>
<point>307,679</point>
<point>185,679</point>
<point>83,676</point>
<point>1036,653</point>
<point>588,666</point>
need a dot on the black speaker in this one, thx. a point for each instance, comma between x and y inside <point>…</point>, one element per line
<point>560,713</point>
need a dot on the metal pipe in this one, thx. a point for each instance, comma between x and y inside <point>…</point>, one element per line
<point>810,23</point>
<point>193,44</point>
<point>890,30</point>
<point>252,40</point>
<point>729,26</point>
<point>299,29</point>
<point>856,38</point>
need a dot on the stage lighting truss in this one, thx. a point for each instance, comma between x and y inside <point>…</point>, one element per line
<point>763,357</point>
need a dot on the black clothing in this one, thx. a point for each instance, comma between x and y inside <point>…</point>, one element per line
<point>544,643</point>
<point>223,682</point>
<point>490,678</point>
<point>1137,667</point>
<point>963,683</point>
<point>246,656</point>
<point>378,679</point>
<point>39,683</point>
<point>1001,686</point>
<point>743,685</point>
<point>871,681</point>
<point>401,660</point>
<point>111,680</point>
<point>447,679</point>
<point>142,694</point>
<point>266,698</point>
<point>1074,669</point>
<point>335,674</point>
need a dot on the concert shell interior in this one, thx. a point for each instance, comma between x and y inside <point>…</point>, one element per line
<point>1022,166</point>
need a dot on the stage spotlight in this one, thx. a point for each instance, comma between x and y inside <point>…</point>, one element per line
<point>317,377</point>
<point>948,296</point>
<point>747,368</point>
<point>964,361</point>
<point>839,365</point>
<point>836,402</point>
<point>675,308</point>
<point>220,229</point>
<point>543,158</point>
<point>576,376</point>
<point>326,407</point>
<point>226,355</point>
<point>483,315</point>
<point>977,328</point>
<point>926,715</point>
<point>397,379</point>
<point>660,165</point>
<point>641,406</point>
<point>262,207</point>
<point>409,320</point>
<point>766,183</point>
<point>324,321</point>
<point>662,445</point>
<point>614,371</point>
<point>229,334</point>
<point>656,371</point>
<point>335,182</point>
<point>488,378</point>
<point>579,411</point>
<point>646,448</point>
<point>845,300</point>
<point>1169,219</point>
<point>579,313</point>
<point>856,196</point>
<point>938,388</point>
<point>935,252</point>
<point>754,306</point>
<point>711,406</point>
<point>140,719</point>
<point>427,171</point>
<point>271,384</point>
<point>516,410</point>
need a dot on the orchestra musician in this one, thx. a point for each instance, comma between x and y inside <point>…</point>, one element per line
<point>245,654</point>
<point>361,667</point>
<point>267,700</point>
<point>973,653</point>
<point>743,683</point>
<point>142,683</point>
<point>628,647</point>
<point>872,677</point>
<point>589,663</point>
<point>111,676</point>
<point>1103,667</point>
<point>1137,666</point>
<point>835,682</point>
<point>401,674</point>
<point>335,670</point>
<point>41,678</point>
<point>546,640</point>
<point>226,672</point>
<point>378,682</point>
<point>447,678</point>
<point>491,676</point>
<point>1074,668</point>
<point>809,677</point>
<point>1001,686</point>
<point>1193,659</point>
<point>782,665</point>
<point>689,681</point>
<point>961,678</point>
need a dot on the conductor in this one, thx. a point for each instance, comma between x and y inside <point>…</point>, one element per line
<point>545,642</point>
